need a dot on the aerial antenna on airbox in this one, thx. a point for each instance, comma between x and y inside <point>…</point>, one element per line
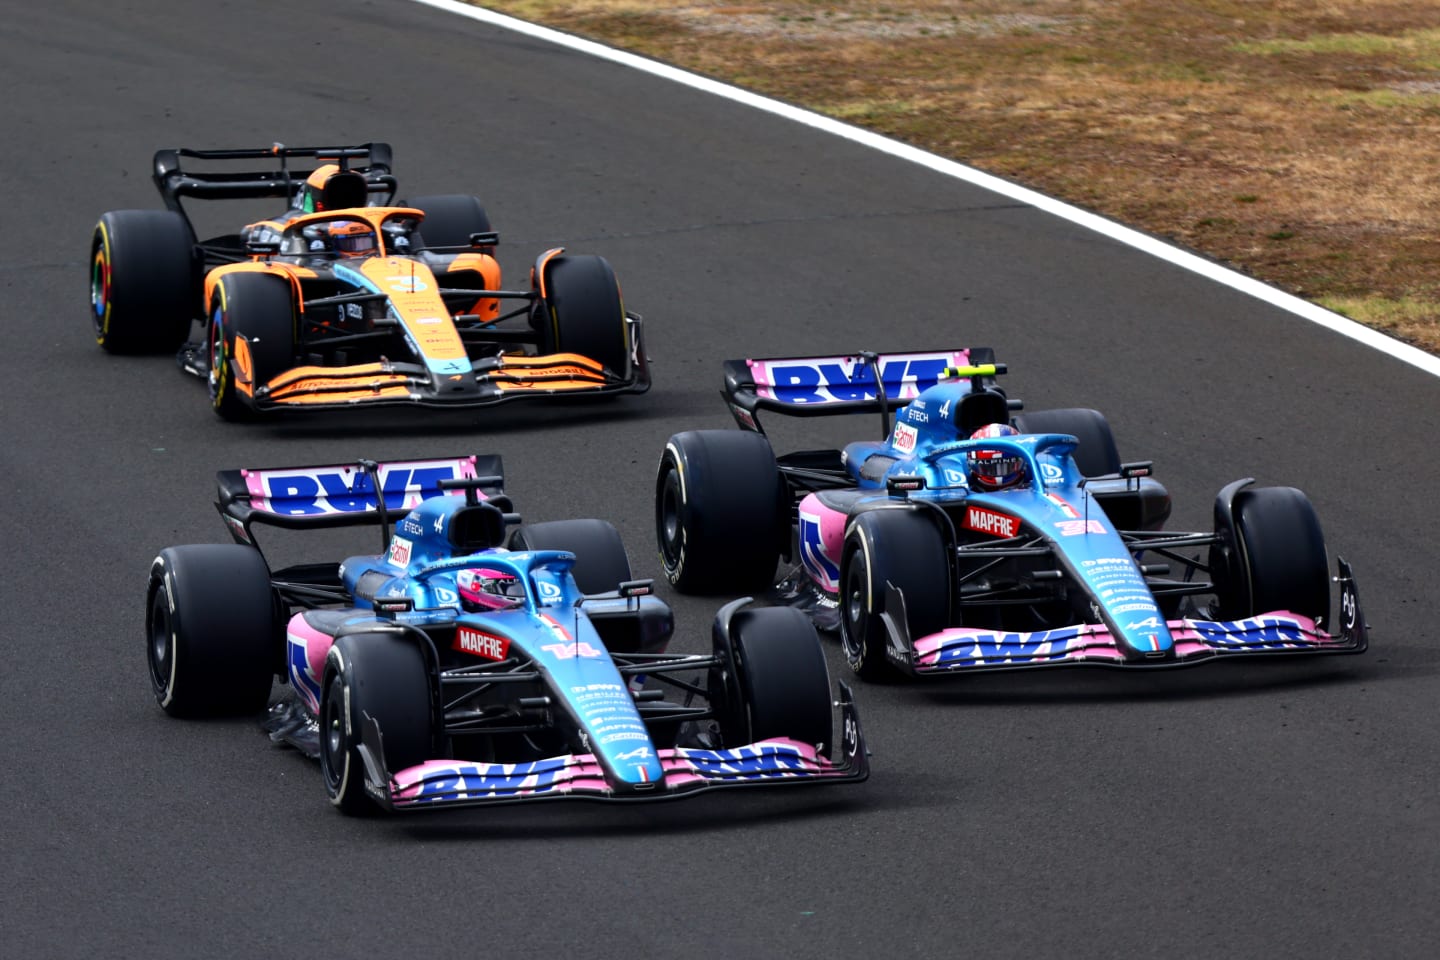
<point>372,470</point>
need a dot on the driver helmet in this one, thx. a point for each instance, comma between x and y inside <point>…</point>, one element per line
<point>484,589</point>
<point>350,238</point>
<point>994,469</point>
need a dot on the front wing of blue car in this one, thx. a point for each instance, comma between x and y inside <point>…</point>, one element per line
<point>776,762</point>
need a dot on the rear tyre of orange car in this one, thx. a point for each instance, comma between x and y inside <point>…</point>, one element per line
<point>450,220</point>
<point>379,677</point>
<point>583,313</point>
<point>144,281</point>
<point>261,309</point>
<point>721,511</point>
<point>1280,563</point>
<point>214,638</point>
<point>601,563</point>
<point>781,685</point>
<point>902,548</point>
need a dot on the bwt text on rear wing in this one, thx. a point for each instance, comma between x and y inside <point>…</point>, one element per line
<point>341,495</point>
<point>825,386</point>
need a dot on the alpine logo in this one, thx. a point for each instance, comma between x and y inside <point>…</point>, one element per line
<point>990,522</point>
<point>487,645</point>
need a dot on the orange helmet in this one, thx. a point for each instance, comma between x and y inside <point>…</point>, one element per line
<point>351,238</point>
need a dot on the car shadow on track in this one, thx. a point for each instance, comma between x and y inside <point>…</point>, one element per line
<point>560,820</point>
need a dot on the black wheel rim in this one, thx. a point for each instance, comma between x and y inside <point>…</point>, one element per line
<point>670,526</point>
<point>162,646</point>
<point>852,636</point>
<point>332,735</point>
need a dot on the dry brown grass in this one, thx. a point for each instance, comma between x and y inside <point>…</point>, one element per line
<point>1295,140</point>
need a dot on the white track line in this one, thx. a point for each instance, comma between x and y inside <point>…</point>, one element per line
<point>1133,238</point>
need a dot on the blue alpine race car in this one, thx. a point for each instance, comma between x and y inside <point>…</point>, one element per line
<point>449,670</point>
<point>976,537</point>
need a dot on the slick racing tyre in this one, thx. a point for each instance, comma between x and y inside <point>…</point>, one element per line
<point>582,312</point>
<point>902,548</point>
<point>781,686</point>
<point>601,563</point>
<point>1096,455</point>
<point>1274,558</point>
<point>144,281</point>
<point>721,516</point>
<point>379,677</point>
<point>450,220</point>
<point>214,637</point>
<point>260,309</point>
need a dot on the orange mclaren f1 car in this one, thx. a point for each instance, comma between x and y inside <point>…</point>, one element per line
<point>348,298</point>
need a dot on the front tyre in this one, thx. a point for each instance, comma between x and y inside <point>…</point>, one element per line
<point>214,637</point>
<point>582,312</point>
<point>721,514</point>
<point>383,678</point>
<point>902,548</point>
<point>144,281</point>
<point>781,679</point>
<point>251,339</point>
<point>1280,563</point>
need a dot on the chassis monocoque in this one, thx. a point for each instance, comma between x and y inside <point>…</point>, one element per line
<point>448,670</point>
<point>291,321</point>
<point>925,572</point>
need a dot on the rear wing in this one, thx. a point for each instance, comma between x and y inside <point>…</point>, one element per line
<point>344,495</point>
<point>826,386</point>
<point>371,160</point>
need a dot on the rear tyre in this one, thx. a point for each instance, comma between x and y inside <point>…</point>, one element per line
<point>380,677</point>
<point>782,682</point>
<point>583,312</point>
<point>214,637</point>
<point>601,563</point>
<point>899,547</point>
<point>144,281</point>
<point>1096,455</point>
<point>721,512</point>
<point>450,219</point>
<point>262,310</point>
<point>1281,562</point>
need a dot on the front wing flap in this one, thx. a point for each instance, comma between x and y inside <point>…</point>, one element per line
<point>688,770</point>
<point>1277,633</point>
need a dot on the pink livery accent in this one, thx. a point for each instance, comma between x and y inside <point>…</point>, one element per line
<point>309,647</point>
<point>958,648</point>
<point>579,775</point>
<point>346,488</point>
<point>822,539</point>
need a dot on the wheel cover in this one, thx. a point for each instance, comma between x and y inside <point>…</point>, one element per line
<point>100,290</point>
<point>333,747</point>
<point>161,649</point>
<point>671,529</point>
<point>852,632</point>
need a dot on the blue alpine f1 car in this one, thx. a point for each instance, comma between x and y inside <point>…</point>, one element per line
<point>976,537</point>
<point>449,670</point>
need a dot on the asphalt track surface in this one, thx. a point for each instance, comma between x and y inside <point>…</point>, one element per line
<point>1257,810</point>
